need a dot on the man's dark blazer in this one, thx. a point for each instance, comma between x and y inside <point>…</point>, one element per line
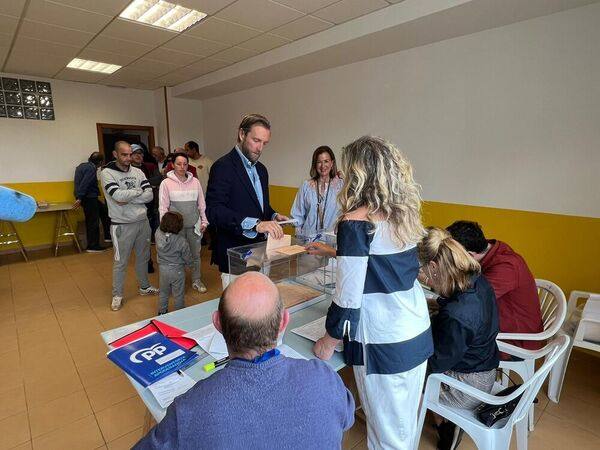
<point>230,198</point>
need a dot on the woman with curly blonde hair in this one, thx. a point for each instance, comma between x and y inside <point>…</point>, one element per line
<point>379,309</point>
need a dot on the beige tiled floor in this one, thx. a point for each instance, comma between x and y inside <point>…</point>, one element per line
<point>59,391</point>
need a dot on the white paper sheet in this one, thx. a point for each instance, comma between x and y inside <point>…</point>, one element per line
<point>290,352</point>
<point>210,340</point>
<point>168,388</point>
<point>314,331</point>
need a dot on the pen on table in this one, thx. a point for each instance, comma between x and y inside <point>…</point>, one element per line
<point>213,365</point>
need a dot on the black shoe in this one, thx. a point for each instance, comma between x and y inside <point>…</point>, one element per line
<point>449,436</point>
<point>150,267</point>
<point>160,313</point>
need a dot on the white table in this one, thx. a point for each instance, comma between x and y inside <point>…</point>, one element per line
<point>198,316</point>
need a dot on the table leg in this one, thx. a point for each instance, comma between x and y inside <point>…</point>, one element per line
<point>20,242</point>
<point>57,232</point>
<point>73,235</point>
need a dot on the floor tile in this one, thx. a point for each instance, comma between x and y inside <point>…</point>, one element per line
<point>577,412</point>
<point>97,371</point>
<point>127,441</point>
<point>56,385</point>
<point>82,434</point>
<point>122,418</point>
<point>25,446</point>
<point>58,413</point>
<point>552,433</point>
<point>12,401</point>
<point>107,393</point>
<point>354,435</point>
<point>14,430</point>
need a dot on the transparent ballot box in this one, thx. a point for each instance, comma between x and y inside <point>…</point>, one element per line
<point>301,278</point>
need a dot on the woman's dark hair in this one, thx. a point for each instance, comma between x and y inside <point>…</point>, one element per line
<point>469,235</point>
<point>96,158</point>
<point>183,155</point>
<point>171,222</point>
<point>313,167</point>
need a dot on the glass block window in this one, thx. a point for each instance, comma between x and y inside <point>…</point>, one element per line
<point>26,99</point>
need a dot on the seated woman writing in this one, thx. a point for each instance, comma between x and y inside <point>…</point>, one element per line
<point>465,328</point>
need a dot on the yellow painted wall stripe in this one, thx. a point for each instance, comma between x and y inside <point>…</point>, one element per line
<point>560,248</point>
<point>563,249</point>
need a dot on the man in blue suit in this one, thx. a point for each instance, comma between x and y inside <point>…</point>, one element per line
<point>237,197</point>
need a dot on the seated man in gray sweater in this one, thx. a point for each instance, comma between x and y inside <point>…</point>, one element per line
<point>261,399</point>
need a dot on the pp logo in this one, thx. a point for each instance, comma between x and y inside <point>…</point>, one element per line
<point>148,353</point>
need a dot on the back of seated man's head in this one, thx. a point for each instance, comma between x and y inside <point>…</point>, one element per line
<point>469,235</point>
<point>251,315</point>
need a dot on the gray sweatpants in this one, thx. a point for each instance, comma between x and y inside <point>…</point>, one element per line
<point>127,237</point>
<point>172,282</point>
<point>195,243</point>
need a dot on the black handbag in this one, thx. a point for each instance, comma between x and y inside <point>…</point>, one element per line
<point>490,414</point>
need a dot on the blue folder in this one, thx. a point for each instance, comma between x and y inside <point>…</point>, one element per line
<point>151,358</point>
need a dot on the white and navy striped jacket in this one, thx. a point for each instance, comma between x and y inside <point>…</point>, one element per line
<point>378,300</point>
<point>126,193</point>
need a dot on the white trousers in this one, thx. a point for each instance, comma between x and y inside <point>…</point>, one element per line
<point>391,406</point>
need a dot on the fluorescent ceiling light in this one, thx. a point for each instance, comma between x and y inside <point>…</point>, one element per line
<point>162,14</point>
<point>92,66</point>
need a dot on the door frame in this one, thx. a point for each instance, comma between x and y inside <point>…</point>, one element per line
<point>101,126</point>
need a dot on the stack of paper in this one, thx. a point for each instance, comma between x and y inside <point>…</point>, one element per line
<point>314,331</point>
<point>210,340</point>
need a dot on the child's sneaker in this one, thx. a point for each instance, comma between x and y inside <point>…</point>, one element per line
<point>199,286</point>
<point>150,290</point>
<point>116,303</point>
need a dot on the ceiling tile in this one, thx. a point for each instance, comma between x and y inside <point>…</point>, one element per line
<point>152,68</point>
<point>171,79</point>
<point>80,75</point>
<point>119,46</point>
<point>8,24</point>
<point>65,16</point>
<point>25,44</point>
<point>53,33</point>
<point>222,31</point>
<point>3,53</point>
<point>35,63</point>
<point>264,42</point>
<point>108,7</point>
<point>172,56</point>
<point>12,7</point>
<point>302,27</point>
<point>260,14</point>
<point>128,75</point>
<point>307,6</point>
<point>119,83</point>
<point>137,32</point>
<point>5,41</point>
<point>345,10</point>
<point>152,85</point>
<point>206,6</point>
<point>234,54</point>
<point>105,57</point>
<point>197,46</point>
<point>204,66</point>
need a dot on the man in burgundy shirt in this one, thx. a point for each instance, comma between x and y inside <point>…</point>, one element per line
<point>516,293</point>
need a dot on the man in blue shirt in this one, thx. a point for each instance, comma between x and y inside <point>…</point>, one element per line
<point>86,195</point>
<point>237,198</point>
<point>261,399</point>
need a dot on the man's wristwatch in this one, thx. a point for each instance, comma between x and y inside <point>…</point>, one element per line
<point>256,226</point>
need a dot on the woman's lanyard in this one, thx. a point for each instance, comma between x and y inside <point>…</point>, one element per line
<point>321,215</point>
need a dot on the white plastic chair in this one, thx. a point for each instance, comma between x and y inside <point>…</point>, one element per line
<point>579,329</point>
<point>554,309</point>
<point>498,436</point>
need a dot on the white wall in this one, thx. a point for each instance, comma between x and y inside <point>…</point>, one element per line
<point>505,118</point>
<point>37,150</point>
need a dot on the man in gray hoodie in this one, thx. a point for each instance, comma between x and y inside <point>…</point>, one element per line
<point>127,191</point>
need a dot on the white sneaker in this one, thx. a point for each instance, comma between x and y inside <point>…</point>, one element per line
<point>150,290</point>
<point>116,303</point>
<point>199,286</point>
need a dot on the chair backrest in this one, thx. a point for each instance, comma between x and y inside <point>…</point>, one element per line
<point>531,387</point>
<point>553,305</point>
